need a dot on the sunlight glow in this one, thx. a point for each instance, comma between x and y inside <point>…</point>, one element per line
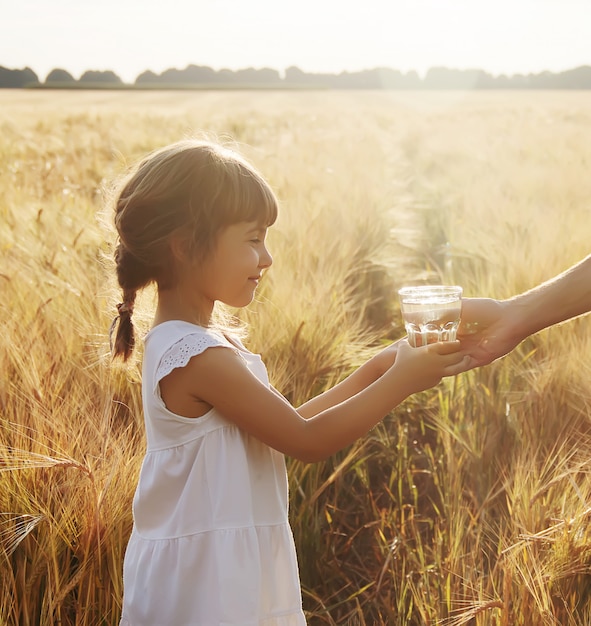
<point>329,36</point>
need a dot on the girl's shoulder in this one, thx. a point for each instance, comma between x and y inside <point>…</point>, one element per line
<point>173,343</point>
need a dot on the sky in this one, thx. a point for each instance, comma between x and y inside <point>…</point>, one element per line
<point>131,36</point>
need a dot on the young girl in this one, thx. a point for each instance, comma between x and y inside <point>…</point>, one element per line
<point>211,542</point>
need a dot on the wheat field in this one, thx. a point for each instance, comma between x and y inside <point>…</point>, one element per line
<point>469,504</point>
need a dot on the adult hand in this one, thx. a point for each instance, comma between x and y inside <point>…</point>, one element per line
<point>489,330</point>
<point>492,328</point>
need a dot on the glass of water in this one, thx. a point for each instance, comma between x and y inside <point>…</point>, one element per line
<point>431,313</point>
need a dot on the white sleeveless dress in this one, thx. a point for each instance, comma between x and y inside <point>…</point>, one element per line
<point>211,542</point>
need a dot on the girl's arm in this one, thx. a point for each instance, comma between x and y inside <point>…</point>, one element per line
<point>220,378</point>
<point>361,378</point>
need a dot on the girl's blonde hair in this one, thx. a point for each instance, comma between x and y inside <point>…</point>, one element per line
<point>192,189</point>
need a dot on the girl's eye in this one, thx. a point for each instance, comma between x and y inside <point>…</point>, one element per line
<point>256,240</point>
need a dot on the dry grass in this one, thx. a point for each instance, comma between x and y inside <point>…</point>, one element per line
<point>469,504</point>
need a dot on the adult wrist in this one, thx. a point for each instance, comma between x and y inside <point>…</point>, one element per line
<point>523,317</point>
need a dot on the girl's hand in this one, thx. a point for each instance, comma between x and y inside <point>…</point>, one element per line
<point>424,367</point>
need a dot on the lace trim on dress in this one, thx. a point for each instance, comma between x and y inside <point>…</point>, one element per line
<point>180,353</point>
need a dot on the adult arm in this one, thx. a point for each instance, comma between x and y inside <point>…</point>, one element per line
<point>492,328</point>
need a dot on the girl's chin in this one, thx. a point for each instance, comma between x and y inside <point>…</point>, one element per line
<point>240,303</point>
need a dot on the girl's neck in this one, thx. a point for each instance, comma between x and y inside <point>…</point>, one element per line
<point>172,306</point>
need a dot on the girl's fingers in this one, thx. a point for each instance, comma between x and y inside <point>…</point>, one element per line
<point>445,347</point>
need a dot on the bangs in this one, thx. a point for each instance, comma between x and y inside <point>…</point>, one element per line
<point>248,197</point>
<point>224,189</point>
<point>260,203</point>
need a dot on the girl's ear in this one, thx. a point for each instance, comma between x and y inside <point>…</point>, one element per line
<point>179,248</point>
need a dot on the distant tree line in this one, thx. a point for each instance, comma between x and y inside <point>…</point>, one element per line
<point>377,78</point>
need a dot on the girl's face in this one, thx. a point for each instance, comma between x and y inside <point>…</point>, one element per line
<point>231,274</point>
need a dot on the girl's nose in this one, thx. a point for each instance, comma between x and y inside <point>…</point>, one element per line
<point>265,259</point>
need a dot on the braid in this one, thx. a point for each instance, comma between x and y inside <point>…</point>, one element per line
<point>125,337</point>
<point>132,275</point>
